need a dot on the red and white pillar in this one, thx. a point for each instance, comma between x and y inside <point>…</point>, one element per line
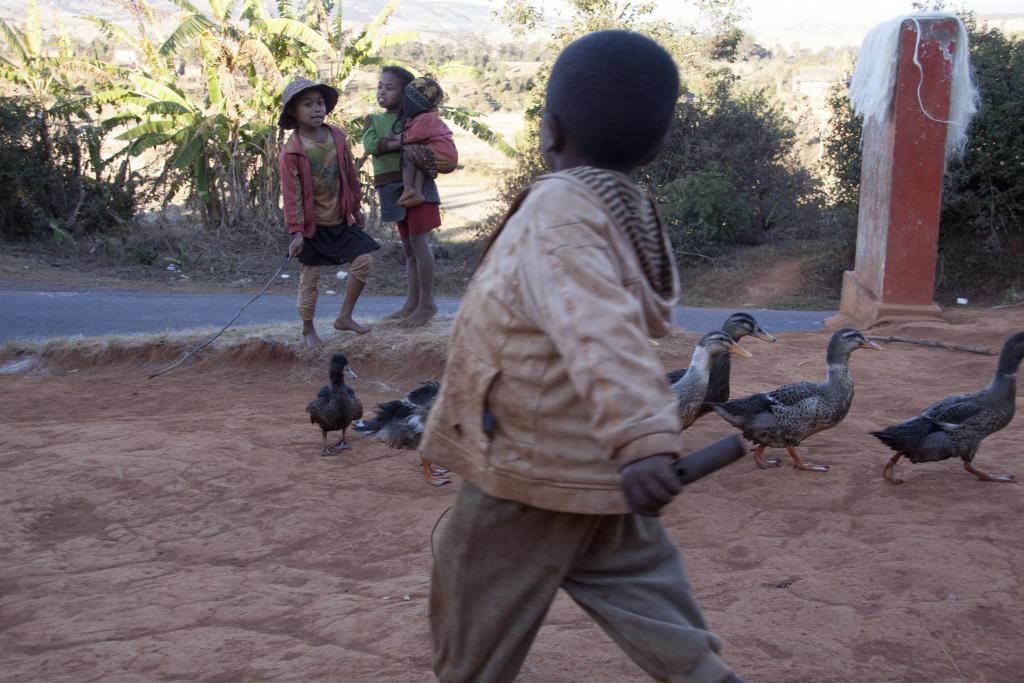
<point>901,185</point>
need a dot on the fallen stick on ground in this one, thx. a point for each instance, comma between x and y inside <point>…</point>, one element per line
<point>935,344</point>
<point>209,341</point>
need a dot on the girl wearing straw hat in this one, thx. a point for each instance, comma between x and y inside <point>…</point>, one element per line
<point>321,197</point>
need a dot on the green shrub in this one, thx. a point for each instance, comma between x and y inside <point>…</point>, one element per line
<point>730,175</point>
<point>55,185</point>
<point>703,207</point>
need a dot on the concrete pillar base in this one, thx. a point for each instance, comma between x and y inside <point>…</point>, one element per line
<point>862,309</point>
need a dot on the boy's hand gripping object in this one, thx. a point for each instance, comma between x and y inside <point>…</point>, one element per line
<point>651,483</point>
<point>706,460</point>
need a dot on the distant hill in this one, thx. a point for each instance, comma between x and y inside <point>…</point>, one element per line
<point>433,19</point>
<point>447,19</point>
<point>818,36</point>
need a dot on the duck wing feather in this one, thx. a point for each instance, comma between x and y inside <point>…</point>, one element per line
<point>355,405</point>
<point>318,404</point>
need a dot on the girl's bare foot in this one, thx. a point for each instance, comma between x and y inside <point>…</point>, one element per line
<point>311,340</point>
<point>411,198</point>
<point>421,316</point>
<point>402,313</point>
<point>343,324</point>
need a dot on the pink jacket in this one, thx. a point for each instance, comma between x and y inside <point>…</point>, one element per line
<point>428,129</point>
<point>297,184</point>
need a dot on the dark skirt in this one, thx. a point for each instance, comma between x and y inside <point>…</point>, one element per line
<point>335,245</point>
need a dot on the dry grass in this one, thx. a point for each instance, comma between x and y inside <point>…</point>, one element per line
<point>389,353</point>
<point>386,352</point>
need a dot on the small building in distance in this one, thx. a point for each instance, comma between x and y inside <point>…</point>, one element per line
<point>815,82</point>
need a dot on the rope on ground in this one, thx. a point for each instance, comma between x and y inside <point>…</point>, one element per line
<point>935,344</point>
<point>1015,303</point>
<point>951,660</point>
<point>432,555</point>
<point>209,341</point>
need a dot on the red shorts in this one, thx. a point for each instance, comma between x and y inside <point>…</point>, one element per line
<point>419,220</point>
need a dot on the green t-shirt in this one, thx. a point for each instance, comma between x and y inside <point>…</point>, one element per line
<point>386,167</point>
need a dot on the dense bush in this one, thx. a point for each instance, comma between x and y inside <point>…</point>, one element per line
<point>729,175</point>
<point>982,232</point>
<point>55,185</point>
<point>981,235</point>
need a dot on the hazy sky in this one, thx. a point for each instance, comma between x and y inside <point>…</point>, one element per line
<point>768,15</point>
<point>771,15</point>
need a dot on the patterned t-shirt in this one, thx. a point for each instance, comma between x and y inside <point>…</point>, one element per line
<point>323,161</point>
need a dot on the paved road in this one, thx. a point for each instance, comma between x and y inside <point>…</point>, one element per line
<point>26,315</point>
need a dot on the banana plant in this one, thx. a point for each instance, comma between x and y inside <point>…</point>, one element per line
<point>48,77</point>
<point>223,139</point>
<point>57,85</point>
<point>469,120</point>
<point>221,144</point>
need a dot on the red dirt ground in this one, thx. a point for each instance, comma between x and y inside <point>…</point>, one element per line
<point>187,529</point>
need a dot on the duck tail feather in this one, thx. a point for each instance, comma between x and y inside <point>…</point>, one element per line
<point>743,407</point>
<point>425,393</point>
<point>906,437</point>
<point>403,433</point>
<point>674,376</point>
<point>385,414</point>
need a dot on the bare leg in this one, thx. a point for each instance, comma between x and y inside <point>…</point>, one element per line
<point>408,174</point>
<point>309,279</point>
<point>762,462</point>
<point>325,450</point>
<point>889,473</point>
<point>412,179</point>
<point>412,277</point>
<point>987,477</point>
<point>345,322</point>
<point>427,308</point>
<point>430,475</point>
<point>309,335</point>
<point>799,463</point>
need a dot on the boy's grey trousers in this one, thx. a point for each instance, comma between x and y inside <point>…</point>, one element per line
<point>499,564</point>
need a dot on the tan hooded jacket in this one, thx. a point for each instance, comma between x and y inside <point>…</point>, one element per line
<point>551,383</point>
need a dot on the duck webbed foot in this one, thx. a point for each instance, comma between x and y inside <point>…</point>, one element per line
<point>984,476</point>
<point>433,473</point>
<point>338,447</point>
<point>763,462</point>
<point>889,473</point>
<point>801,464</point>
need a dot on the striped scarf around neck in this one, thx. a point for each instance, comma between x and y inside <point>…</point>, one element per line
<point>635,212</point>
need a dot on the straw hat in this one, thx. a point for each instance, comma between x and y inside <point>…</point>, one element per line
<point>296,87</point>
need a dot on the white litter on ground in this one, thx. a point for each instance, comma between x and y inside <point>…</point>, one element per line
<point>17,367</point>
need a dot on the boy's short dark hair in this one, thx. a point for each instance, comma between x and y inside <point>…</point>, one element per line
<point>614,93</point>
<point>404,75</point>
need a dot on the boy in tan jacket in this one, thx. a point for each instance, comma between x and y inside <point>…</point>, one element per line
<point>554,407</point>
